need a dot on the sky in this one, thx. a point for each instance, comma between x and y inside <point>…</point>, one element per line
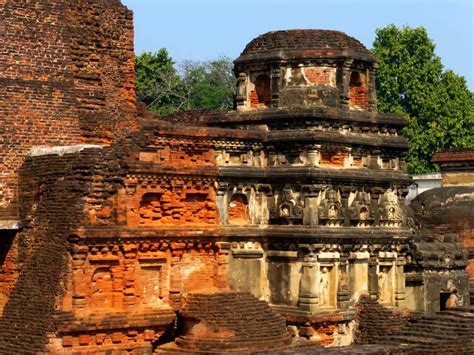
<point>208,29</point>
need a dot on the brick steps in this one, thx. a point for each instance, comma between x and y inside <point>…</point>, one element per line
<point>444,332</point>
<point>228,321</point>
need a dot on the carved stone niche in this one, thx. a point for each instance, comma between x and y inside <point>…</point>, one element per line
<point>331,212</point>
<point>390,211</point>
<point>361,215</point>
<point>328,262</point>
<point>289,209</point>
<point>238,209</point>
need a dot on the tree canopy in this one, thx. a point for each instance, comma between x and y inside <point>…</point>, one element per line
<point>166,87</point>
<point>437,103</point>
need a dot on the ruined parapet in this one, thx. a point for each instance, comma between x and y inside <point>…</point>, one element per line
<point>444,247</point>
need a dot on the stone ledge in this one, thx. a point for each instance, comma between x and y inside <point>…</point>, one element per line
<point>61,150</point>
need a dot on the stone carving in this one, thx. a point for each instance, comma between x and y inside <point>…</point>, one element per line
<point>331,212</point>
<point>290,208</point>
<point>313,156</point>
<point>452,301</point>
<point>361,213</point>
<point>169,207</point>
<point>390,211</point>
<point>324,286</point>
<point>383,286</point>
<point>344,282</point>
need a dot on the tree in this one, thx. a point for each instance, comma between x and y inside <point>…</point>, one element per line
<point>157,83</point>
<point>166,88</point>
<point>213,83</point>
<point>436,103</point>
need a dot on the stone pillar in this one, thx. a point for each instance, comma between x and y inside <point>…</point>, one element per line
<point>222,201</point>
<point>400,282</point>
<point>358,272</point>
<point>263,192</point>
<point>276,85</point>
<point>374,203</point>
<point>241,96</point>
<point>129,274</point>
<point>310,213</point>
<point>176,281</point>
<point>222,257</point>
<point>343,287</point>
<point>345,77</point>
<point>81,283</point>
<point>345,192</point>
<point>314,155</point>
<point>373,278</point>
<point>309,283</point>
<point>372,99</point>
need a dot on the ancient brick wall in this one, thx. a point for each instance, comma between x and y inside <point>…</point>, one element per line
<point>66,76</point>
<point>52,206</point>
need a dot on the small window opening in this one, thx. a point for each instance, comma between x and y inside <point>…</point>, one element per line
<point>443,299</point>
<point>261,97</point>
<point>358,91</point>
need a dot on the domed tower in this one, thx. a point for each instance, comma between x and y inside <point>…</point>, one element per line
<point>305,69</point>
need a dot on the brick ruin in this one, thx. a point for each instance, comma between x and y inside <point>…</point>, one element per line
<point>124,232</point>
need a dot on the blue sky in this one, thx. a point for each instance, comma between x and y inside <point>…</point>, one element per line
<point>207,29</point>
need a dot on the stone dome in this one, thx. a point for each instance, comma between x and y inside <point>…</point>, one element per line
<point>311,43</point>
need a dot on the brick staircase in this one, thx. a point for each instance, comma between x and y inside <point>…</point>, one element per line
<point>227,322</point>
<point>446,332</point>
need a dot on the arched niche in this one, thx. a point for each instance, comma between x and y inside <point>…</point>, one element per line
<point>238,209</point>
<point>101,288</point>
<point>357,91</point>
<point>261,96</point>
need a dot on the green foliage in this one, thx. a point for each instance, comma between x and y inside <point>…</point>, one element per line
<point>213,84</point>
<point>436,103</point>
<point>165,88</point>
<point>154,75</point>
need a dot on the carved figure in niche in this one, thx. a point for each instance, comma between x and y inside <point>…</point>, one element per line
<point>324,286</point>
<point>390,211</point>
<point>278,159</point>
<point>344,283</point>
<point>360,211</point>
<point>297,77</point>
<point>247,158</point>
<point>289,208</point>
<point>383,287</point>
<point>452,301</point>
<point>101,287</point>
<point>330,209</point>
<point>238,209</point>
<point>222,157</point>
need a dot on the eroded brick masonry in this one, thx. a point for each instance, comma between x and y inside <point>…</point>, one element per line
<point>278,226</point>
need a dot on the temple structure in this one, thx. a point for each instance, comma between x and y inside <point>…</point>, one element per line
<point>263,229</point>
